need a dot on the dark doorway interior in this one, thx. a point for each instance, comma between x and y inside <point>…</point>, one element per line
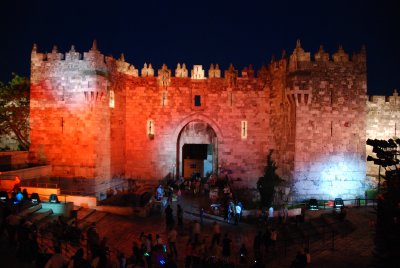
<point>197,160</point>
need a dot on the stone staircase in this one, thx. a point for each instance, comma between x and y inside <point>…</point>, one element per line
<point>42,217</point>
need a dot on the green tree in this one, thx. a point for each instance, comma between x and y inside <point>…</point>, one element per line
<point>14,110</point>
<point>387,232</point>
<point>266,184</point>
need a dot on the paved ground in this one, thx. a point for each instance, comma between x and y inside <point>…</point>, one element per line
<point>352,248</point>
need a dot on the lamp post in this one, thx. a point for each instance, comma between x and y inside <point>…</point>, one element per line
<point>379,178</point>
<point>173,171</point>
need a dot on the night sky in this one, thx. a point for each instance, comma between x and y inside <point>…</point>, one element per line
<point>204,32</point>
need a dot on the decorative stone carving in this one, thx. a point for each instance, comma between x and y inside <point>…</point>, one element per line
<point>340,55</point>
<point>144,70</point>
<point>245,72</point>
<point>321,55</point>
<point>164,76</point>
<point>94,45</point>
<point>231,76</point>
<point>178,71</point>
<point>197,72</point>
<point>298,55</point>
<point>263,73</point>
<point>360,57</point>
<point>147,71</point>
<point>248,72</point>
<point>150,71</point>
<point>217,71</point>
<point>181,71</point>
<point>72,54</point>
<point>126,68</point>
<point>214,72</point>
<point>54,55</point>
<point>211,71</point>
<point>185,72</point>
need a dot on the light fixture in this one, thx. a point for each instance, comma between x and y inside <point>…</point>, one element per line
<point>53,198</point>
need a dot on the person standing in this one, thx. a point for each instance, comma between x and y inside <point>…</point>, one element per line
<point>216,234</point>
<point>271,215</point>
<point>196,231</point>
<point>226,247</point>
<point>179,215</point>
<point>243,254</point>
<point>267,240</point>
<point>257,245</point>
<point>169,218</point>
<point>172,234</point>
<point>238,210</point>
<point>57,260</point>
<point>201,216</point>
<point>274,236</point>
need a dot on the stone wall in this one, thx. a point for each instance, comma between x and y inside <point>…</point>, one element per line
<point>222,108</point>
<point>329,100</point>
<point>69,115</point>
<point>99,118</point>
<point>383,123</point>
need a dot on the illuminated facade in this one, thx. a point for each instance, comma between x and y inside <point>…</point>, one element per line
<point>98,118</point>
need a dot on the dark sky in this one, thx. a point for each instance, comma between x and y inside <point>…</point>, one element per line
<point>204,32</point>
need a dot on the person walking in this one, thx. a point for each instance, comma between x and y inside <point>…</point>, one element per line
<point>172,234</point>
<point>257,245</point>
<point>179,215</point>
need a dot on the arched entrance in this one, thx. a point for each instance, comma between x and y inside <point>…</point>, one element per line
<point>197,149</point>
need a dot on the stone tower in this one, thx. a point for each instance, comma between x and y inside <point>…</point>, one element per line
<point>94,117</point>
<point>327,111</point>
<point>70,113</point>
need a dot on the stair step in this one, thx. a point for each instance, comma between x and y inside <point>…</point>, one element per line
<point>47,220</point>
<point>41,214</point>
<point>94,217</point>
<point>84,213</point>
<point>30,210</point>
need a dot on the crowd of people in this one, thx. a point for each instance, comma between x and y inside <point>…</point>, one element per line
<point>204,245</point>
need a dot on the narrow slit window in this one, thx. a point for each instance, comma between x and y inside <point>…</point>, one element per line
<point>150,127</point>
<point>112,99</point>
<point>230,98</point>
<point>243,130</point>
<point>197,100</point>
<point>164,99</point>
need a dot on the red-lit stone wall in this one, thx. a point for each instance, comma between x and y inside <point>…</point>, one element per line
<point>383,123</point>
<point>154,157</point>
<point>95,117</point>
<point>69,116</point>
<point>329,97</point>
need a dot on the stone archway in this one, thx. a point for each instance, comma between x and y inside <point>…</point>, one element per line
<point>193,138</point>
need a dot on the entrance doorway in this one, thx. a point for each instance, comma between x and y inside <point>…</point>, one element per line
<point>197,160</point>
<point>197,150</point>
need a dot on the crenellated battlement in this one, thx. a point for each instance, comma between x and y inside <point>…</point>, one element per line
<point>97,116</point>
<point>393,100</point>
<point>299,60</point>
<point>302,60</point>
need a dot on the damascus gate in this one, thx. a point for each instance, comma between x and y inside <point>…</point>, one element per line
<point>97,117</point>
